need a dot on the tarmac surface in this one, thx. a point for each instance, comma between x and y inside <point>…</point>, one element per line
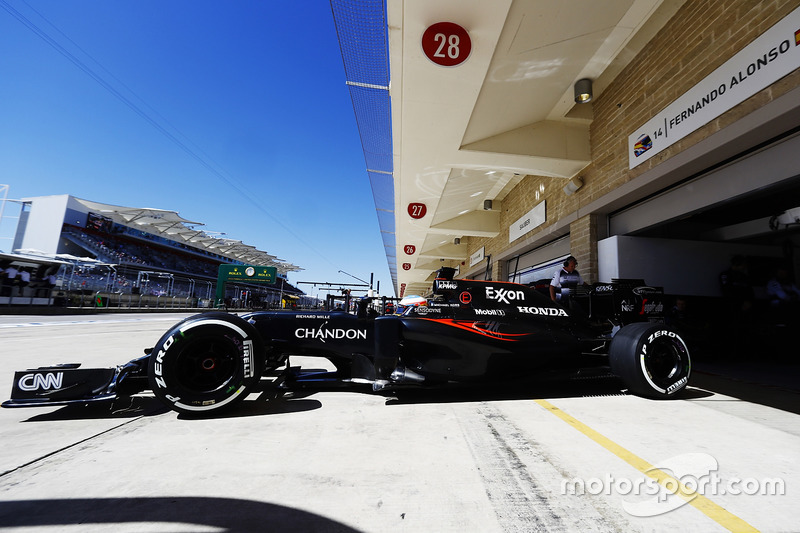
<point>552,456</point>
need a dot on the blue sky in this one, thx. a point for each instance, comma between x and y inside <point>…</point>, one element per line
<point>255,89</point>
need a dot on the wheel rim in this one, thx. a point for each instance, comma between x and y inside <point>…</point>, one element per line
<point>207,364</point>
<point>665,363</point>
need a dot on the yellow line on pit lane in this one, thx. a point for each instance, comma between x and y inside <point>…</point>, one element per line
<point>715,512</point>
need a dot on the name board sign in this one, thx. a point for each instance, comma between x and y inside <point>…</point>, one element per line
<point>477,257</point>
<point>767,59</point>
<point>532,219</point>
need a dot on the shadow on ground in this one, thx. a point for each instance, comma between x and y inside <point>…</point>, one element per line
<point>546,388</point>
<point>765,387</point>
<point>123,408</point>
<point>771,385</point>
<point>227,514</point>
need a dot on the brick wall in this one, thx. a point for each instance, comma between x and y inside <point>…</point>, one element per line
<point>583,245</point>
<point>701,36</point>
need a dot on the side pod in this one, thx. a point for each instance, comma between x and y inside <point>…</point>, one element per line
<point>387,348</point>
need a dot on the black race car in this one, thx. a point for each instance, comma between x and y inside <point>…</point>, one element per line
<point>469,331</point>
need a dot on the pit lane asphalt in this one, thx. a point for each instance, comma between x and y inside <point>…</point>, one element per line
<point>349,460</point>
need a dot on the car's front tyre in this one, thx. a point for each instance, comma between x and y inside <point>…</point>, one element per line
<point>206,363</point>
<point>652,360</point>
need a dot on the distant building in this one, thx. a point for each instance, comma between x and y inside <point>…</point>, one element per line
<point>131,250</point>
<point>53,225</point>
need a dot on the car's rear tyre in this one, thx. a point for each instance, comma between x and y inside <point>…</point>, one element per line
<point>206,363</point>
<point>652,360</point>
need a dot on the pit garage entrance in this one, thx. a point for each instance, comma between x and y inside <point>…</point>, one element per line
<point>685,237</point>
<point>745,210</point>
<point>538,264</point>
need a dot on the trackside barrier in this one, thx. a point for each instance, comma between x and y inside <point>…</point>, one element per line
<point>113,300</point>
<point>16,301</point>
<point>102,301</point>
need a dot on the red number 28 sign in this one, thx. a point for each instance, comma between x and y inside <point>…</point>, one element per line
<point>446,44</point>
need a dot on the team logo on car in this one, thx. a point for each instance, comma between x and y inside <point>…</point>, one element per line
<point>445,285</point>
<point>490,312</point>
<point>504,296</point>
<point>542,311</point>
<point>644,291</point>
<point>49,381</point>
<point>323,333</point>
<point>651,307</point>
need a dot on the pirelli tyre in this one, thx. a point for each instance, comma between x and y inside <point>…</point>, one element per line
<point>206,363</point>
<point>652,360</point>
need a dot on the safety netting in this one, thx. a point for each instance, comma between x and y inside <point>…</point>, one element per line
<point>363,39</point>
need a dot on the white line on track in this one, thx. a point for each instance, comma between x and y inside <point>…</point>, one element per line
<point>84,322</point>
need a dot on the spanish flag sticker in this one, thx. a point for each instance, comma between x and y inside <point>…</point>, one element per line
<point>643,144</point>
<point>797,38</point>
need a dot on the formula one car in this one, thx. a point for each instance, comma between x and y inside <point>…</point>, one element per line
<point>469,332</point>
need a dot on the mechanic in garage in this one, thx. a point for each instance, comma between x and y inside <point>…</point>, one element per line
<point>565,281</point>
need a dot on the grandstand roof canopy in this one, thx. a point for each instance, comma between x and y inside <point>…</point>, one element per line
<point>172,226</point>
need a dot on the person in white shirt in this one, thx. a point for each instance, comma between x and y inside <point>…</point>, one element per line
<point>566,280</point>
<point>24,279</point>
<point>2,279</point>
<point>9,280</point>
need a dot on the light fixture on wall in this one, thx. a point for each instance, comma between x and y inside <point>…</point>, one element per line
<point>573,185</point>
<point>583,91</point>
<point>487,205</point>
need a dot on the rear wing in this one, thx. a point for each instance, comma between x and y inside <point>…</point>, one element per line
<point>626,300</point>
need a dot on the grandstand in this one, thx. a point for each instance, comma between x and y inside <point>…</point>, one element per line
<point>73,246</point>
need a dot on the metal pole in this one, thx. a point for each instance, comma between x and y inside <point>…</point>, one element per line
<point>4,190</point>
<point>71,276</point>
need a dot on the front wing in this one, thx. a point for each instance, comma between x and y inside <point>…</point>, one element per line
<point>69,384</point>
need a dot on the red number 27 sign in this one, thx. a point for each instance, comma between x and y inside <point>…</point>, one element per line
<point>416,210</point>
